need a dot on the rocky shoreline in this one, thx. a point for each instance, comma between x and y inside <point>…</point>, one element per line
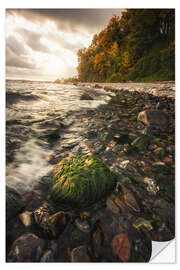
<point>134,136</point>
<point>166,88</point>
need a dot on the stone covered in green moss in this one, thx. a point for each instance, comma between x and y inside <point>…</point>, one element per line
<point>80,181</point>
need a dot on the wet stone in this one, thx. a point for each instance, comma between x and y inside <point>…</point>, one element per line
<point>26,218</point>
<point>86,96</point>
<point>82,225</point>
<point>119,241</point>
<point>48,256</point>
<point>80,254</point>
<point>14,204</point>
<point>121,246</point>
<point>154,117</point>
<point>27,248</point>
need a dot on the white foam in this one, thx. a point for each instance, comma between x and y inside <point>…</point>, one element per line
<point>29,166</point>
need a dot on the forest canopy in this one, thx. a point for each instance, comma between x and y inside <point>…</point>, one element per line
<point>138,46</point>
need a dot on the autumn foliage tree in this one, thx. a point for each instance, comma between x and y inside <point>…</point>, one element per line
<point>128,45</point>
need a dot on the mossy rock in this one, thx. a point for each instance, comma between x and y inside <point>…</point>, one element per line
<point>80,181</point>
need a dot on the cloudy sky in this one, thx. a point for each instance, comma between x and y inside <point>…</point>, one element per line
<point>42,44</point>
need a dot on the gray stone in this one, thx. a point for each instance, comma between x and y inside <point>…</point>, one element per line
<point>27,248</point>
<point>154,117</point>
<point>80,254</point>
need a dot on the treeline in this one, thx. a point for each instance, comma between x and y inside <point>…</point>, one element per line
<point>138,46</point>
<point>67,80</point>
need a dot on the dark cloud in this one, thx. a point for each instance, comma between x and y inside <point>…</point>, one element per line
<point>13,60</point>
<point>73,20</point>
<point>32,39</point>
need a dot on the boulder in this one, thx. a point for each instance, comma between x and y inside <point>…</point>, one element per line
<point>14,204</point>
<point>79,181</point>
<point>27,248</point>
<point>154,117</point>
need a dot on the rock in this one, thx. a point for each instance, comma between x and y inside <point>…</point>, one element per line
<point>122,139</point>
<point>80,181</point>
<point>80,254</point>
<point>121,246</point>
<point>160,167</point>
<point>139,222</point>
<point>152,187</point>
<point>140,143</point>
<point>82,225</point>
<point>171,149</point>
<point>97,240</point>
<point>91,134</point>
<point>48,256</point>
<point>159,152</point>
<point>152,147</point>
<point>27,248</point>
<point>27,197</point>
<point>164,209</point>
<point>86,96</point>
<point>122,201</point>
<point>14,203</point>
<point>26,218</point>
<point>163,220</point>
<point>161,106</point>
<point>57,223</point>
<point>154,117</point>
<point>162,233</point>
<point>43,212</point>
<point>114,239</point>
<point>97,86</point>
<point>168,160</point>
<point>41,216</point>
<point>51,225</point>
<point>112,204</point>
<point>124,164</point>
<point>51,136</point>
<point>129,199</point>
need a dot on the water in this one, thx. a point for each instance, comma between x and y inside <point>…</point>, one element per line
<point>35,110</point>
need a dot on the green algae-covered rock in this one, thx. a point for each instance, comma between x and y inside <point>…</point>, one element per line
<point>80,181</point>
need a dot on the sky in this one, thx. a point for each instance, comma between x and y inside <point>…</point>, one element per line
<point>42,44</point>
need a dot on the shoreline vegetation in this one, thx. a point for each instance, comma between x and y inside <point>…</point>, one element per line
<point>139,46</point>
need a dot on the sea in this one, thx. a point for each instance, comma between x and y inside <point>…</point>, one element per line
<point>33,109</point>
